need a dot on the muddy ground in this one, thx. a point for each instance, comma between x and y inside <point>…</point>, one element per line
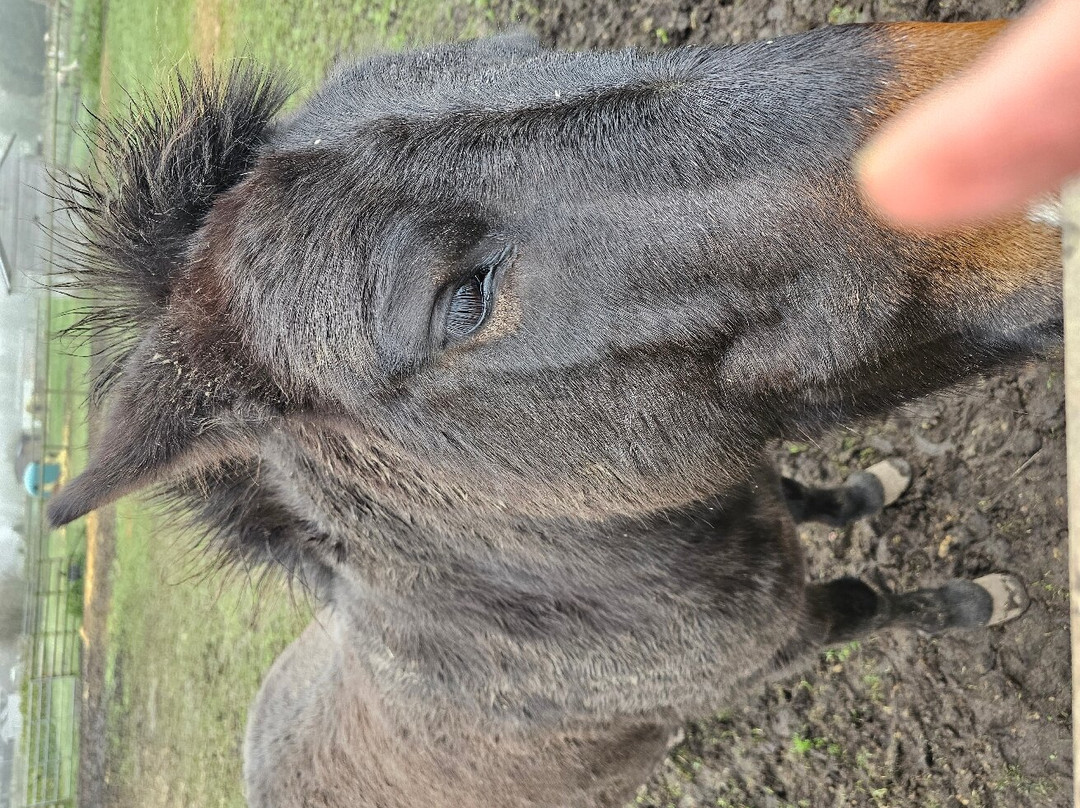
<point>979,719</point>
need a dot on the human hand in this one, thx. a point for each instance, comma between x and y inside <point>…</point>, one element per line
<point>1005,131</point>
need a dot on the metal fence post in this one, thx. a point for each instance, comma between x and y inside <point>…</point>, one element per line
<point>1071,294</point>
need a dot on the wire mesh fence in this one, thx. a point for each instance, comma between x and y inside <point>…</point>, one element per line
<point>53,440</point>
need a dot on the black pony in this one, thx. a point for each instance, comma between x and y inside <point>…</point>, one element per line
<point>486,342</point>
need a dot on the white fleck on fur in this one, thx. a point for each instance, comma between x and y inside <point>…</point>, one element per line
<point>1045,210</point>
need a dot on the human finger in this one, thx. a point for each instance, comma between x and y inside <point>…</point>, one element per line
<point>1007,130</point>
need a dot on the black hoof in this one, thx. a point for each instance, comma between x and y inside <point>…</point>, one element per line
<point>987,601</point>
<point>1008,594</point>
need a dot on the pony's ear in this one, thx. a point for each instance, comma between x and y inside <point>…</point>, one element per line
<point>161,424</point>
<point>163,171</point>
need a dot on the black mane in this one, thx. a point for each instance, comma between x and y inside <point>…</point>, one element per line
<point>157,169</point>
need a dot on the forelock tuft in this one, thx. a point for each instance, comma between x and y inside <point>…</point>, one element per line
<point>155,175</point>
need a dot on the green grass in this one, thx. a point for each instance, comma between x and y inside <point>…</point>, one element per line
<point>66,422</point>
<point>54,759</point>
<point>88,17</point>
<point>187,652</point>
<point>306,39</point>
<point>49,739</point>
<point>143,44</point>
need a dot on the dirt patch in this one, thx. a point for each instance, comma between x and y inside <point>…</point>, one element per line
<point>591,24</point>
<point>100,552</point>
<point>97,597</point>
<point>206,29</point>
<point>979,719</point>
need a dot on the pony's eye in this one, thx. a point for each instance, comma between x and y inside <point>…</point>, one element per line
<point>473,300</point>
<point>470,305</point>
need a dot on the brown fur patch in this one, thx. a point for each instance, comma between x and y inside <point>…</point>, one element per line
<point>1003,256</point>
<point>199,300</point>
<point>926,54</point>
<point>213,350</point>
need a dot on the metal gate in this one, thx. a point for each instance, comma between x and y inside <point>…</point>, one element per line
<point>47,763</point>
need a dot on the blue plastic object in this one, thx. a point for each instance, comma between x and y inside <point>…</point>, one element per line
<point>40,479</point>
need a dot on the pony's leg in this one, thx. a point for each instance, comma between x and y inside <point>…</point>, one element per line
<point>847,609</point>
<point>863,494</point>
